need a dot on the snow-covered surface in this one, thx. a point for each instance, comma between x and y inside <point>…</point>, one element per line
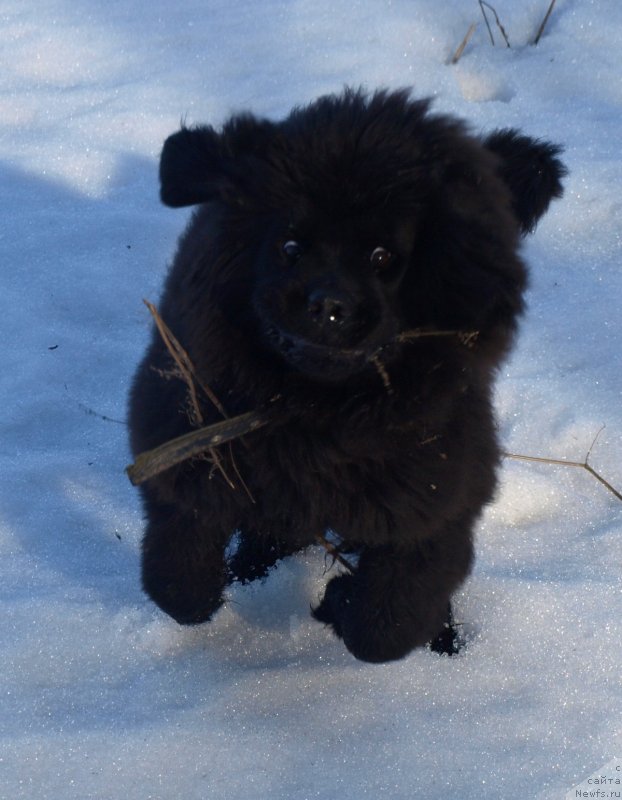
<point>101,695</point>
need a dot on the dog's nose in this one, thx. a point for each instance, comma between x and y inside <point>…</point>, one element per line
<point>328,307</point>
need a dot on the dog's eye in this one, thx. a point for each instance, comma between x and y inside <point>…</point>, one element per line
<point>380,258</point>
<point>292,250</point>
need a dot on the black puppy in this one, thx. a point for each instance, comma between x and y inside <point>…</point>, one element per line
<point>357,265</point>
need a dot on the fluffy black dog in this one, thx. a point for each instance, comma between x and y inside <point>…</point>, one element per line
<point>355,266</point>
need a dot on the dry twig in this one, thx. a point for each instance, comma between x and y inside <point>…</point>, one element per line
<point>195,443</point>
<point>576,464</point>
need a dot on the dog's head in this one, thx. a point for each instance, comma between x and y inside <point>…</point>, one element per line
<point>368,221</point>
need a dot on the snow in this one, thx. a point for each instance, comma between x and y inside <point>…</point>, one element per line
<point>102,696</point>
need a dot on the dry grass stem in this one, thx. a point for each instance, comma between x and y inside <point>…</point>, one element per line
<point>162,456</point>
<point>185,365</point>
<point>243,483</point>
<point>467,338</point>
<point>382,371</point>
<point>544,22</point>
<point>334,552</point>
<point>462,46</point>
<point>492,38</point>
<point>483,3</point>
<point>216,460</point>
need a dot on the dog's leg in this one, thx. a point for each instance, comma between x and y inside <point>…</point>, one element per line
<point>183,565</point>
<point>398,599</point>
<point>256,554</point>
<point>448,641</point>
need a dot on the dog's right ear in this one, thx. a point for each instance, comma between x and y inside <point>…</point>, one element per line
<point>200,164</point>
<point>191,167</point>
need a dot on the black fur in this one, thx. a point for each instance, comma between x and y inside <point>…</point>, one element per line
<point>388,440</point>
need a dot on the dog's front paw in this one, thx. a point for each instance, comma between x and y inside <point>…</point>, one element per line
<point>186,603</point>
<point>366,635</point>
<point>378,628</point>
<point>448,642</point>
<point>334,604</point>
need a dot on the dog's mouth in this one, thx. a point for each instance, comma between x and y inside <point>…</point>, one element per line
<point>320,360</point>
<point>330,363</point>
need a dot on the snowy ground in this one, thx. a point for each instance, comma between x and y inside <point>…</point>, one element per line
<point>102,696</point>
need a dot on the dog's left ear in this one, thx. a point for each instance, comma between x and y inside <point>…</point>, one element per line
<point>532,170</point>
